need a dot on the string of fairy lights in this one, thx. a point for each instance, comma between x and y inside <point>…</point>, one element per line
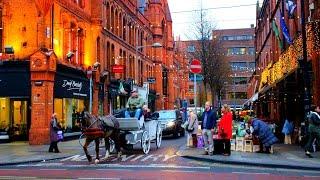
<point>288,60</point>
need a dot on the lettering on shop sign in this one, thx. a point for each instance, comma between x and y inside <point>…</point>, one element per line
<point>72,85</point>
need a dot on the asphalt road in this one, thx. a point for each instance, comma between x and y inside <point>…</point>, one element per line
<point>160,163</point>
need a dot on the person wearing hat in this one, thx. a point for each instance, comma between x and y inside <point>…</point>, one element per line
<point>134,104</point>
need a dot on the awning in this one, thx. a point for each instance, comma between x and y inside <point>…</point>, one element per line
<point>15,79</point>
<point>252,99</point>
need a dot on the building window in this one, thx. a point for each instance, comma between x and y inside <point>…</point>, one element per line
<point>238,66</point>
<point>252,66</point>
<point>251,51</point>
<point>240,80</point>
<point>236,51</point>
<point>238,95</point>
<point>191,49</point>
<point>237,38</point>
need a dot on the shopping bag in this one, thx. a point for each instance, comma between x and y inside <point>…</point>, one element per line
<point>200,143</point>
<point>60,135</point>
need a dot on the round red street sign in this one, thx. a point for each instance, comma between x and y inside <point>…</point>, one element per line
<point>195,66</point>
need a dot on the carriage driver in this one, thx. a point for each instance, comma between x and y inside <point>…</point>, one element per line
<point>134,104</point>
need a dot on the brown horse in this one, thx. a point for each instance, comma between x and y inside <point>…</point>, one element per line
<point>95,128</point>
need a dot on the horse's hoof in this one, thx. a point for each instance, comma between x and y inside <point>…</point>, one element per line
<point>89,158</point>
<point>96,161</point>
<point>107,155</point>
<point>119,154</point>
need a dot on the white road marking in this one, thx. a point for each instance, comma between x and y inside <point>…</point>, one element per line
<point>153,157</point>
<point>175,171</point>
<point>166,157</point>
<point>119,166</point>
<point>250,173</point>
<point>75,158</point>
<point>16,177</point>
<point>311,176</point>
<point>123,158</point>
<point>136,158</point>
<point>101,178</point>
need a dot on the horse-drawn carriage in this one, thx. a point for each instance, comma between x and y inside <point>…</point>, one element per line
<point>119,132</point>
<point>143,131</point>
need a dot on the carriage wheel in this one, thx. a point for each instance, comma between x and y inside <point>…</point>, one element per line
<point>112,145</point>
<point>159,136</point>
<point>145,142</point>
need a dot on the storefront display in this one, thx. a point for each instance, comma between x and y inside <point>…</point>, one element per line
<point>71,97</point>
<point>15,118</point>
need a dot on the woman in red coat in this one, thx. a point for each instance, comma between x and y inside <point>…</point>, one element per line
<point>225,129</point>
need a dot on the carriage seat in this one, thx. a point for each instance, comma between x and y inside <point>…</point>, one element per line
<point>131,123</point>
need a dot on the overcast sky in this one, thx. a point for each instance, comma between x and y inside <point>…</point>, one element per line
<point>225,14</point>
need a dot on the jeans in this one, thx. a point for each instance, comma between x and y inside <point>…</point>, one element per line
<point>314,133</point>
<point>136,115</point>
<point>207,137</point>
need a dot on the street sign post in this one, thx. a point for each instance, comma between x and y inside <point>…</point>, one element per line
<point>151,80</point>
<point>195,68</point>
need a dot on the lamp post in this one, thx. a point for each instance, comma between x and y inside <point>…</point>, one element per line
<point>306,82</point>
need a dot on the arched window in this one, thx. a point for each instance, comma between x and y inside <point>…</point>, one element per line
<point>98,49</point>
<point>124,27</point>
<point>108,56</point>
<point>80,46</point>
<point>112,20</point>
<point>108,16</point>
<point>116,25</point>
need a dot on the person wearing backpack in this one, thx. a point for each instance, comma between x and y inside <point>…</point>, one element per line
<point>313,129</point>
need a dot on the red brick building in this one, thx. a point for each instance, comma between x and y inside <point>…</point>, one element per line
<point>238,45</point>
<point>74,55</point>
<point>279,61</point>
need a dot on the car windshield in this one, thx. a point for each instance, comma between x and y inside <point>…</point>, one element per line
<point>167,114</point>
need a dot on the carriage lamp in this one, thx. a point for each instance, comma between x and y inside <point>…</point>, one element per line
<point>171,124</point>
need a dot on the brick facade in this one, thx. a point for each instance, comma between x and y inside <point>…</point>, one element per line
<point>81,33</point>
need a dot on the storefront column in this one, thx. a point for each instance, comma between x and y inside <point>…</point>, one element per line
<point>95,92</point>
<point>42,69</point>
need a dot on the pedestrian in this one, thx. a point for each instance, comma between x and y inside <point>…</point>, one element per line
<point>313,129</point>
<point>54,139</point>
<point>287,131</point>
<point>208,123</point>
<point>225,129</point>
<point>264,133</point>
<point>192,129</point>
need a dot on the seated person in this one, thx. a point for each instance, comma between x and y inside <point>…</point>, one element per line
<point>146,112</point>
<point>134,104</point>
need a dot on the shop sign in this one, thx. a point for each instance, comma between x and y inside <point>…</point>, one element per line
<point>118,69</point>
<point>66,87</point>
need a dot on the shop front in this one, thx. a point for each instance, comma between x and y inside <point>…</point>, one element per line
<point>71,96</point>
<point>15,93</point>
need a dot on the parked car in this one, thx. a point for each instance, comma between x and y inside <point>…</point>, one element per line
<point>171,121</point>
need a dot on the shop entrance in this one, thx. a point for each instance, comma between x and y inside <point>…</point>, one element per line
<point>20,123</point>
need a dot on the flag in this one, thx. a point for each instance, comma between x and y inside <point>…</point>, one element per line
<point>290,6</point>
<point>276,32</point>
<point>284,29</point>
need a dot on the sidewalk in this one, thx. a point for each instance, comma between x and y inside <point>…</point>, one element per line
<point>284,156</point>
<point>22,152</point>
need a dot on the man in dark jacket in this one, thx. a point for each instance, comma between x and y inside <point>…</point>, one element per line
<point>313,129</point>
<point>209,119</point>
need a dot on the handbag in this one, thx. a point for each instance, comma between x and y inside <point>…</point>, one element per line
<point>191,129</point>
